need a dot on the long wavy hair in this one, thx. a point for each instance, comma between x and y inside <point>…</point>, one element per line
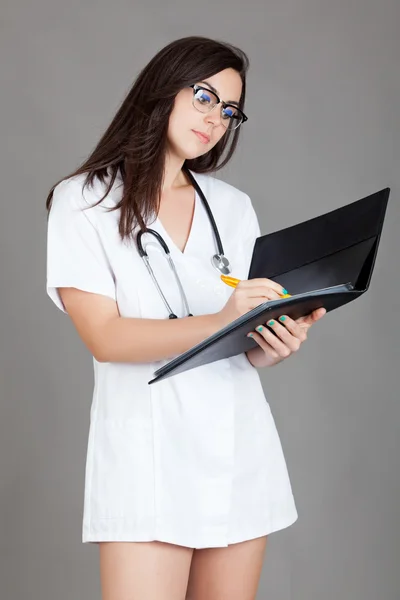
<point>135,143</point>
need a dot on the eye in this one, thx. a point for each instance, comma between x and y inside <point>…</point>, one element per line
<point>202,97</point>
<point>228,112</point>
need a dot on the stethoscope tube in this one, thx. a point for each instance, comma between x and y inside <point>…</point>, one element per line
<point>208,209</point>
<point>219,261</point>
<point>143,254</point>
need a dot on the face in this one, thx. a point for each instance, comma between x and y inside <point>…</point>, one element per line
<point>185,119</point>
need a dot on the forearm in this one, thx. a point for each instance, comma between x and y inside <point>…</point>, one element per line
<point>146,340</point>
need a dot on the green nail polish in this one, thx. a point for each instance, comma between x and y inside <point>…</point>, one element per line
<point>284,291</point>
<point>260,328</point>
<point>250,335</point>
<point>282,318</point>
<point>270,323</point>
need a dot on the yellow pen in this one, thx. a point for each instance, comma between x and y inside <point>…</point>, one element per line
<point>232,281</point>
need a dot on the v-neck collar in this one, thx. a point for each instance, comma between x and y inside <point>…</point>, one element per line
<point>193,228</point>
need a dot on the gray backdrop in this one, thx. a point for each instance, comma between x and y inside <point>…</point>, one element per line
<point>323,101</point>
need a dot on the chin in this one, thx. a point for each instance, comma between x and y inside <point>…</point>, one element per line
<point>193,151</point>
<point>189,150</point>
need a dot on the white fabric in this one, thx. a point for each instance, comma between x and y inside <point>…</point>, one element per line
<point>195,459</point>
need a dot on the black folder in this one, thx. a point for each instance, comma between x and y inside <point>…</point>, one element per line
<point>325,262</point>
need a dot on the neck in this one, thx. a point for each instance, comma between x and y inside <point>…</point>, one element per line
<point>173,175</point>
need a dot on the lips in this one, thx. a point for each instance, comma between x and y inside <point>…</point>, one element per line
<point>203,137</point>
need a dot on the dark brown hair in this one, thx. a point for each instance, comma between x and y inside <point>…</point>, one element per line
<point>135,142</point>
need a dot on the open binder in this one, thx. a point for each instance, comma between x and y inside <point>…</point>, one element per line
<point>325,262</point>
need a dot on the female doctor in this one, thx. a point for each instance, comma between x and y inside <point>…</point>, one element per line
<point>184,478</point>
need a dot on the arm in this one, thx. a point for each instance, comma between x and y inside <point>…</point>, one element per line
<point>112,338</point>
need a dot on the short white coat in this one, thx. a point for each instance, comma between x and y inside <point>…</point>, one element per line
<point>195,459</point>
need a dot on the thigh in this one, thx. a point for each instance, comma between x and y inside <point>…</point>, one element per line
<point>230,573</point>
<point>144,570</point>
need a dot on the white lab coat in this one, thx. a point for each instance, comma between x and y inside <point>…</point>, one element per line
<point>195,459</point>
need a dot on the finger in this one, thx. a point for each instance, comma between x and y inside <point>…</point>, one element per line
<point>310,319</point>
<point>293,327</point>
<point>277,344</point>
<point>265,283</point>
<point>290,340</point>
<point>316,315</point>
<point>262,292</point>
<point>264,345</point>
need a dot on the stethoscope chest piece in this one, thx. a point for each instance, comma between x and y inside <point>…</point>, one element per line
<point>221,263</point>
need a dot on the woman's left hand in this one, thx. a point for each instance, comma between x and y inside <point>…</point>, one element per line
<point>290,335</point>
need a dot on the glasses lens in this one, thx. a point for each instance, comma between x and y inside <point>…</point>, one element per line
<point>231,117</point>
<point>204,100</point>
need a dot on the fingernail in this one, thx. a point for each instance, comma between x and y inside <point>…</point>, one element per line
<point>284,291</point>
<point>249,335</point>
<point>270,323</point>
<point>282,318</point>
<point>260,328</point>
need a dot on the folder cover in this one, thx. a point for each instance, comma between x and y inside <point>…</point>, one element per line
<point>325,262</point>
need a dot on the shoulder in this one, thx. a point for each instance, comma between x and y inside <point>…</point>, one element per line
<point>69,191</point>
<point>72,194</point>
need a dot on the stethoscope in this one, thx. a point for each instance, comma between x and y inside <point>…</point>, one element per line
<point>219,260</point>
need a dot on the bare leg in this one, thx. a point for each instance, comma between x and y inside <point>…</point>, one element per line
<point>230,573</point>
<point>144,570</point>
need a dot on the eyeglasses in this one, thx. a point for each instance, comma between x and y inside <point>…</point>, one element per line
<point>204,100</point>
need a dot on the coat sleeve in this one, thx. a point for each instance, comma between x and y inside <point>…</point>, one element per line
<point>75,253</point>
<point>251,231</point>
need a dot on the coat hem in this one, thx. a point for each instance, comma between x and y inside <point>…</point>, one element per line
<point>211,539</point>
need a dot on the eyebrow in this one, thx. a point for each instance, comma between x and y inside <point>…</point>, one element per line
<point>212,88</point>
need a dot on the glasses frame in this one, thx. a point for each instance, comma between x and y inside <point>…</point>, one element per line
<point>197,87</point>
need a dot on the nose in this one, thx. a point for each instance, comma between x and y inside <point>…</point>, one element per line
<point>214,116</point>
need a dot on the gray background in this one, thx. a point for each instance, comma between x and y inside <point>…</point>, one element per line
<point>323,101</point>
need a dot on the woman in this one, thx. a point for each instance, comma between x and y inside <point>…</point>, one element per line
<point>184,478</point>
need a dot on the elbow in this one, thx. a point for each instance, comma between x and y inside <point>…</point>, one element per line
<point>99,358</point>
<point>100,345</point>
<point>100,354</point>
<point>98,351</point>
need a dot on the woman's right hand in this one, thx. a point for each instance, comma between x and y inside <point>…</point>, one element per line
<point>248,294</point>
